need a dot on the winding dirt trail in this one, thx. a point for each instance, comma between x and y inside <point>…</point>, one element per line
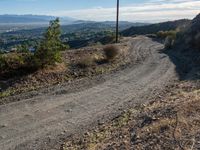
<point>40,122</point>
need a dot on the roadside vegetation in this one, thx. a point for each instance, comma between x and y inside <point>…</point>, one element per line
<point>80,63</point>
<point>52,63</point>
<point>169,37</point>
<point>14,61</point>
<point>164,34</point>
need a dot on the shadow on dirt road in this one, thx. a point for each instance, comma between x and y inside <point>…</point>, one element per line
<point>186,60</point>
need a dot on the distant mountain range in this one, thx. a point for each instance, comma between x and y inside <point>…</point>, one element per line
<point>111,23</point>
<point>42,19</point>
<point>12,23</point>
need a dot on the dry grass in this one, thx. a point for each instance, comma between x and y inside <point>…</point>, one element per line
<point>86,62</point>
<point>171,123</point>
<point>58,67</point>
<point>89,60</point>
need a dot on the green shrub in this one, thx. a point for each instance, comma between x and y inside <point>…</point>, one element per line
<point>165,34</point>
<point>111,52</point>
<point>161,34</point>
<point>48,52</point>
<point>14,61</point>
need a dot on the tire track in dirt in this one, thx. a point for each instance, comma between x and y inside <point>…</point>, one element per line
<point>37,123</point>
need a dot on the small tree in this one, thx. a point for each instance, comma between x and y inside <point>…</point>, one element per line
<point>48,52</point>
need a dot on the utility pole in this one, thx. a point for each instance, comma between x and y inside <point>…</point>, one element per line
<point>117,23</point>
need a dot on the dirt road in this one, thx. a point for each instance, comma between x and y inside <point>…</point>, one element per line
<point>40,122</point>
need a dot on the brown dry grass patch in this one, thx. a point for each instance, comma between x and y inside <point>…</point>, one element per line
<point>170,123</point>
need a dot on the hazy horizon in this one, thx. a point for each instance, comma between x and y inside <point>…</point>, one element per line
<point>138,11</point>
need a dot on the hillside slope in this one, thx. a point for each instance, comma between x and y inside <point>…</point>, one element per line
<point>191,36</point>
<point>154,28</point>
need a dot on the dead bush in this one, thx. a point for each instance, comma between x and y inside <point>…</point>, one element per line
<point>111,52</point>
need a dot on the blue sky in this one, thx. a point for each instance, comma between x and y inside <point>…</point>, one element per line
<point>131,10</point>
<point>44,6</point>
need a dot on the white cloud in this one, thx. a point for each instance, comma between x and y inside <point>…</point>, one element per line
<point>152,11</point>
